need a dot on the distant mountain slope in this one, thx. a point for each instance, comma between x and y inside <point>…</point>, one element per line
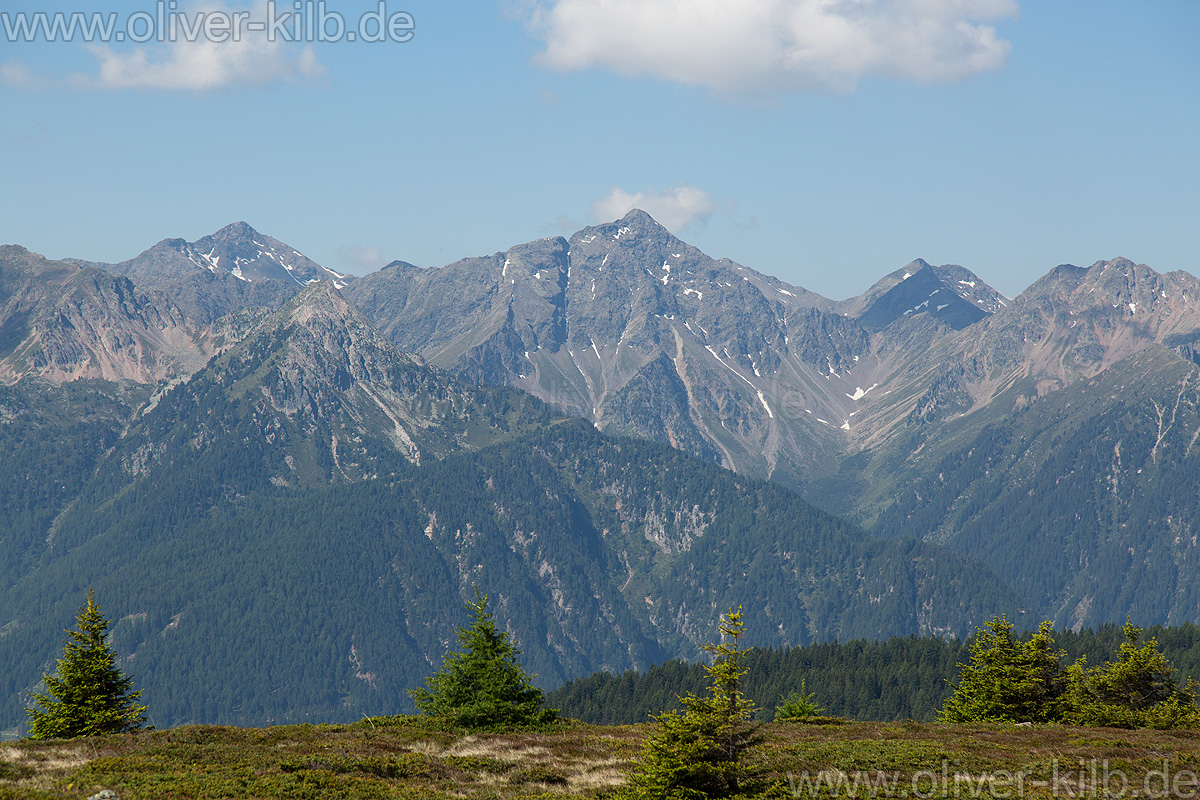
<point>386,442</point>
<point>60,322</point>
<point>958,280</point>
<point>1073,323</point>
<point>237,250</point>
<point>330,399</point>
<point>1052,442</point>
<point>856,402</point>
<point>234,268</point>
<point>639,332</point>
<point>1084,499</point>
<point>244,601</point>
<point>290,535</point>
<point>951,295</point>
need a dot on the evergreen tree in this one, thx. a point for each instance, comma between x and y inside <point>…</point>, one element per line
<point>483,687</point>
<point>89,695</point>
<point>1137,690</point>
<point>798,705</point>
<point>703,751</point>
<point>1009,680</point>
<point>1140,678</point>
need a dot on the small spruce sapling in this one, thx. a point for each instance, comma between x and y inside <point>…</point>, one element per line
<point>483,687</point>
<point>799,705</point>
<point>704,752</point>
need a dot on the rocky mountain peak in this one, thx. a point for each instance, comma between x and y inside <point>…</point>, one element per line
<point>320,300</point>
<point>971,287</point>
<point>1116,288</point>
<point>338,330</point>
<point>1121,281</point>
<point>642,222</point>
<point>322,329</point>
<point>233,268</point>
<point>635,223</point>
<point>636,233</point>
<point>61,322</point>
<point>950,294</point>
<point>248,255</point>
<point>18,265</point>
<point>966,284</point>
<point>238,231</point>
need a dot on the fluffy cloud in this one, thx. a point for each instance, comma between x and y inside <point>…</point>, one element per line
<point>200,66</point>
<point>674,209</point>
<point>762,46</point>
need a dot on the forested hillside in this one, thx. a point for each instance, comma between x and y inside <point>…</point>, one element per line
<point>901,678</point>
<point>1084,501</point>
<point>240,600</point>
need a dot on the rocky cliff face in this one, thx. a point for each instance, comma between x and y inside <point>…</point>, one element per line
<point>333,399</point>
<point>237,250</point>
<point>628,326</point>
<point>1074,322</point>
<point>950,294</point>
<point>1070,325</point>
<point>236,267</point>
<point>60,322</point>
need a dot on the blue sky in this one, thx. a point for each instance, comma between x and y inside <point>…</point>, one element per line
<point>826,144</point>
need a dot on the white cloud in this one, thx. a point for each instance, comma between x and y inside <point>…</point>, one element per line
<point>358,257</point>
<point>762,46</point>
<point>674,209</point>
<point>200,66</point>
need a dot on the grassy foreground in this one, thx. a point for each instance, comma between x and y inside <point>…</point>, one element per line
<point>402,757</point>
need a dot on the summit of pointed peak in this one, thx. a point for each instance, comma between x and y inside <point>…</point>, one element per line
<point>1118,263</point>
<point>639,216</point>
<point>636,221</point>
<point>14,251</point>
<point>642,223</point>
<point>235,230</point>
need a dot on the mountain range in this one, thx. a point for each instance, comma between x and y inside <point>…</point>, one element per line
<point>862,405</point>
<point>286,480</point>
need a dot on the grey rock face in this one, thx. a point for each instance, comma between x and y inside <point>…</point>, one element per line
<point>322,386</point>
<point>234,268</point>
<point>237,250</point>
<point>60,322</point>
<point>628,326</point>
<point>924,292</point>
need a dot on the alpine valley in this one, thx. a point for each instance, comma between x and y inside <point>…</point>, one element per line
<point>283,482</point>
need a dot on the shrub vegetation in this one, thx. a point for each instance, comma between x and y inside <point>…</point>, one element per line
<point>1010,680</point>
